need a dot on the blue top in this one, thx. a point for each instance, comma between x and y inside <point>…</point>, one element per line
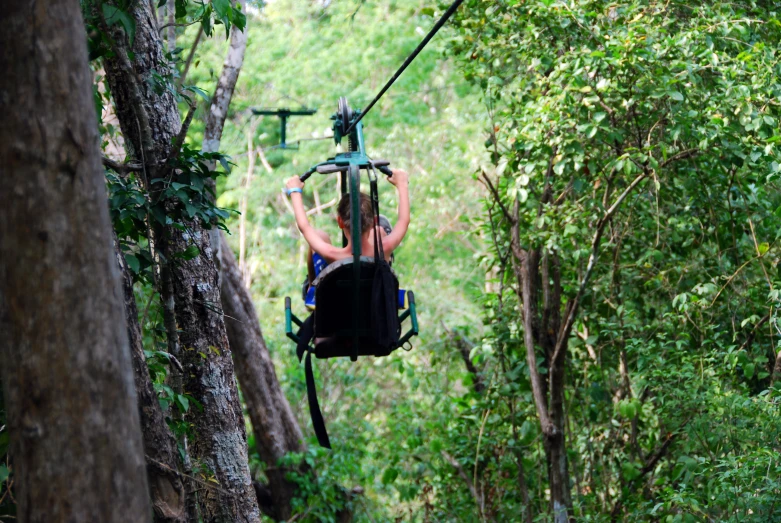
<point>319,263</point>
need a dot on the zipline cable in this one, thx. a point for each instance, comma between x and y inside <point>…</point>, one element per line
<point>410,58</point>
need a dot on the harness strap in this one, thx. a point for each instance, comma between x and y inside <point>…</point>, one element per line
<point>318,423</point>
<point>305,335</point>
<point>379,253</point>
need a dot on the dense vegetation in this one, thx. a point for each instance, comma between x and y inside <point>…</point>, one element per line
<point>594,249</point>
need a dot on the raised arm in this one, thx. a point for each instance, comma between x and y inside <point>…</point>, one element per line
<point>320,246</point>
<point>400,179</point>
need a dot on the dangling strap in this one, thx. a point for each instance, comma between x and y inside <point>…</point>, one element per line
<point>318,423</point>
<point>379,253</point>
<point>305,335</point>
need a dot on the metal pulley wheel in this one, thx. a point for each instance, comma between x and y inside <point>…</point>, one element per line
<point>345,114</point>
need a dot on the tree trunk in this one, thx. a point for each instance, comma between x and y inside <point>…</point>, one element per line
<point>75,431</point>
<point>165,485</point>
<point>548,396</point>
<point>218,446</point>
<point>276,430</point>
<point>218,109</point>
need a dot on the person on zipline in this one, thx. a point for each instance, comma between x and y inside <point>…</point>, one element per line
<point>322,251</point>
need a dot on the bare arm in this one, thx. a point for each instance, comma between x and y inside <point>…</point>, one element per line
<point>400,179</point>
<point>320,246</point>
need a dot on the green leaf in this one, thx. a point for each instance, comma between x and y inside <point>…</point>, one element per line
<point>4,473</point>
<point>630,470</point>
<point>239,19</point>
<point>748,370</point>
<point>158,215</point>
<point>206,21</point>
<point>198,91</point>
<point>189,253</point>
<point>161,3</point>
<point>183,402</point>
<point>221,7</point>
<point>114,15</point>
<point>675,95</point>
<point>181,8</point>
<point>528,433</point>
<point>225,164</point>
<point>389,476</point>
<point>133,264</point>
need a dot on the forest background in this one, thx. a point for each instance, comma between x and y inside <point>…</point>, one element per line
<point>594,248</point>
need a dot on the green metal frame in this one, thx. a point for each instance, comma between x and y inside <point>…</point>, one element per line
<point>283,115</point>
<point>355,232</point>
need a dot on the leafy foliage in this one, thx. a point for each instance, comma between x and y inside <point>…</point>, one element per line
<point>673,105</point>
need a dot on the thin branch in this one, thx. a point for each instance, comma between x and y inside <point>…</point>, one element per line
<point>750,337</point>
<point>190,57</point>
<point>181,475</point>
<point>760,254</point>
<point>465,347</point>
<point>650,464</point>
<point>453,461</point>
<point>321,207</point>
<point>176,147</point>
<point>496,197</point>
<point>688,153</point>
<point>729,280</point>
<point>160,29</point>
<point>121,168</point>
<point>572,307</point>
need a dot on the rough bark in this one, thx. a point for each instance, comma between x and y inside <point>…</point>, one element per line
<point>276,429</point>
<point>165,485</point>
<point>66,367</point>
<point>218,446</point>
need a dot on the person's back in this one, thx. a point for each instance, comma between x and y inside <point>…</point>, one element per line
<point>319,241</point>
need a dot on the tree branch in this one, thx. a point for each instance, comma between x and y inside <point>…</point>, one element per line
<point>160,29</point>
<point>650,464</point>
<point>453,461</point>
<point>465,347</point>
<point>176,146</point>
<point>190,57</point>
<point>121,168</point>
<point>496,197</point>
<point>524,265</point>
<point>572,307</point>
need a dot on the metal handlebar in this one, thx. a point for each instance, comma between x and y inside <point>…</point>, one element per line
<point>381,165</point>
<point>307,174</point>
<point>331,168</point>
